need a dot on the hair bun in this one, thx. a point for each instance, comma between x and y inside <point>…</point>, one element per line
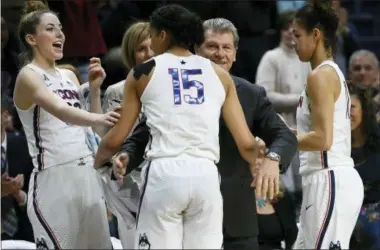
<point>34,5</point>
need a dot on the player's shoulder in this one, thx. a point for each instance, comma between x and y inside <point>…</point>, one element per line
<point>322,75</point>
<point>28,75</point>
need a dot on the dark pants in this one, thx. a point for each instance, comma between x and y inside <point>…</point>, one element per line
<point>241,243</point>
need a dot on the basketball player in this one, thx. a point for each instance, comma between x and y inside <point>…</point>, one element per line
<point>332,188</point>
<point>65,204</point>
<point>182,96</point>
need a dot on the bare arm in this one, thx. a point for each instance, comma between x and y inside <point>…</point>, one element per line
<point>30,89</point>
<point>130,109</point>
<point>234,117</point>
<point>321,93</point>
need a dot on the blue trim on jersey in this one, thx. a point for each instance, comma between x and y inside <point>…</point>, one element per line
<point>143,192</point>
<point>329,211</point>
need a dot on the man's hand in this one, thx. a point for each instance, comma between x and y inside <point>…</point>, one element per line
<point>267,179</point>
<point>96,73</point>
<point>119,165</point>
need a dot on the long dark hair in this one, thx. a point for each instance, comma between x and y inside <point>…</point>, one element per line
<point>369,124</point>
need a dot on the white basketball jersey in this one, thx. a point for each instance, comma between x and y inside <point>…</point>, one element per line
<point>340,153</point>
<point>182,103</point>
<point>51,141</point>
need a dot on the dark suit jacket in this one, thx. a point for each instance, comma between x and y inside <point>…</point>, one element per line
<point>19,162</point>
<point>240,218</point>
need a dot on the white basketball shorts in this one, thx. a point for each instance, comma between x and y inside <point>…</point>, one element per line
<point>180,205</point>
<point>332,199</point>
<point>66,207</point>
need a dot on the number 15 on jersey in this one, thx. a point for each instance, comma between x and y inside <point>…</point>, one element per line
<point>182,75</point>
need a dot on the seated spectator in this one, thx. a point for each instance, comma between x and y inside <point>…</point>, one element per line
<point>16,168</point>
<point>364,69</point>
<point>366,155</point>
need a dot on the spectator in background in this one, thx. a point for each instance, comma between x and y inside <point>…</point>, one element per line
<point>10,48</point>
<point>283,76</point>
<point>364,70</point>
<point>346,38</point>
<point>16,168</point>
<point>366,155</point>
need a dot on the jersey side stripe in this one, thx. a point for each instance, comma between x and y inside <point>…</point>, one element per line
<point>37,135</point>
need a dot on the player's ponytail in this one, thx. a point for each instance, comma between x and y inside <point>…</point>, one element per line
<point>32,12</point>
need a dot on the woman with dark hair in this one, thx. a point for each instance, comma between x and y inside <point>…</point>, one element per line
<point>332,189</point>
<point>366,154</point>
<point>182,96</point>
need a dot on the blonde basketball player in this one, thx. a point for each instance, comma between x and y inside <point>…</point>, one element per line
<point>65,204</point>
<point>182,96</point>
<point>332,189</point>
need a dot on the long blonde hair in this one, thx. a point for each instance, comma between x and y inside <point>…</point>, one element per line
<point>134,35</point>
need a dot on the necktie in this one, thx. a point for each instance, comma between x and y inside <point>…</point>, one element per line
<point>9,221</point>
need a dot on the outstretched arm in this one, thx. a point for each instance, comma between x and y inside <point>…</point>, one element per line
<point>130,110</point>
<point>30,89</point>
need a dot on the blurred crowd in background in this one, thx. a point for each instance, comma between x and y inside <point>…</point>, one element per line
<point>265,56</point>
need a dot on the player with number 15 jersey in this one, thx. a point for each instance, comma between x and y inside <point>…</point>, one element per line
<point>182,96</point>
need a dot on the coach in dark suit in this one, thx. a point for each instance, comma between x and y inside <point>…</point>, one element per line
<point>240,219</point>
<point>16,168</point>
